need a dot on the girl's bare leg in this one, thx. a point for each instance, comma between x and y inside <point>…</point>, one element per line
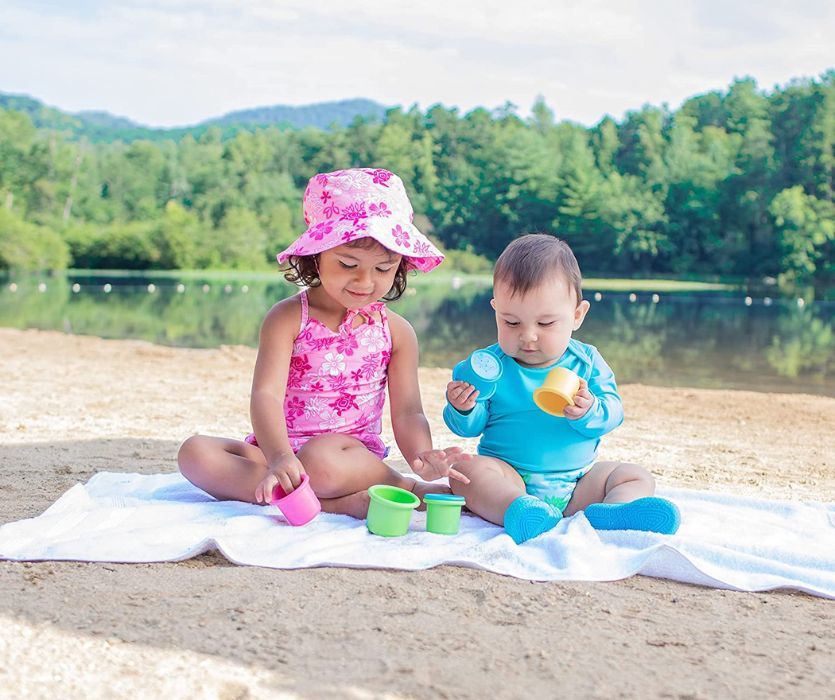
<point>493,486</point>
<point>611,482</point>
<point>341,470</point>
<point>224,468</point>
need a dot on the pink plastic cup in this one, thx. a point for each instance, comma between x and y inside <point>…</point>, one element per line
<point>300,506</point>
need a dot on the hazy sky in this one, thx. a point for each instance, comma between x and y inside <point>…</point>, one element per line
<point>182,61</point>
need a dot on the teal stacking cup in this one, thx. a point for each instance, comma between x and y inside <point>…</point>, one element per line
<point>390,510</point>
<point>443,513</point>
<point>482,369</point>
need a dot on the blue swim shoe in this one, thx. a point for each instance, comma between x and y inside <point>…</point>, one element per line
<point>529,516</point>
<point>650,514</point>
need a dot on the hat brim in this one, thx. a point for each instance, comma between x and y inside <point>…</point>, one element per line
<point>395,236</point>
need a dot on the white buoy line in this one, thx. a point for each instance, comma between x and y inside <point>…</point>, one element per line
<point>151,288</point>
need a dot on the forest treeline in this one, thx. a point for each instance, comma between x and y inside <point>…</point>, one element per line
<point>737,182</point>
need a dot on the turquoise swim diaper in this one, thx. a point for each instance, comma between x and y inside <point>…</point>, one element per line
<point>555,488</point>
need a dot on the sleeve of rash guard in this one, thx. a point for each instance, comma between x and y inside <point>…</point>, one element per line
<point>606,413</point>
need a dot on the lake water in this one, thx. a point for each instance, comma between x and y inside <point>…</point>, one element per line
<point>709,339</point>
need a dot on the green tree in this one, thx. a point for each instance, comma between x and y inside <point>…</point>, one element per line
<point>709,188</point>
<point>746,194</point>
<point>238,243</point>
<point>128,246</point>
<point>604,142</point>
<point>806,230</point>
<point>642,144</point>
<point>697,163</point>
<point>633,219</point>
<point>177,237</point>
<point>26,246</point>
<point>804,128</point>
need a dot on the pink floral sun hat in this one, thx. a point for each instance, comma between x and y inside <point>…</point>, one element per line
<point>345,205</point>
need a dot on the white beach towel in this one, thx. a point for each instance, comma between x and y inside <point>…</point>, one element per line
<point>725,541</point>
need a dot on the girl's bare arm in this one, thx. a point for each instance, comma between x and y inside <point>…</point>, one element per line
<point>411,429</point>
<point>269,381</point>
<point>409,423</point>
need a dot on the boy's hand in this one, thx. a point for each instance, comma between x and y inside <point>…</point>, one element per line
<point>433,464</point>
<point>462,396</point>
<point>583,401</point>
<point>285,471</point>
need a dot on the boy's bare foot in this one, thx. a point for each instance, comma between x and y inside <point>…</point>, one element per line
<point>354,504</point>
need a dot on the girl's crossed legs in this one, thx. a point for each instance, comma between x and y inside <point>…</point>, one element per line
<point>340,468</point>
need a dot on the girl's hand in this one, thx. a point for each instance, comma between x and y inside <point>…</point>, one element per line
<point>583,401</point>
<point>285,471</point>
<point>433,464</point>
<point>462,396</point>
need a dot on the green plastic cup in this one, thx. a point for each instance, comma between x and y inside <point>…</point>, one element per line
<point>390,510</point>
<point>443,513</point>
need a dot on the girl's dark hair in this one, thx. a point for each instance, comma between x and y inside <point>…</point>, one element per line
<point>303,271</point>
<point>535,257</point>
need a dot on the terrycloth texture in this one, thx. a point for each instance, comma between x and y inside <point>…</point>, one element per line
<point>724,541</point>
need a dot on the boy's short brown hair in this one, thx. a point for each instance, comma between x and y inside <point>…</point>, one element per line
<point>533,258</point>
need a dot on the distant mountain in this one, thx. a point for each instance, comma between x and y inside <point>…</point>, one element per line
<point>106,120</point>
<point>103,126</point>
<point>41,115</point>
<point>322,115</point>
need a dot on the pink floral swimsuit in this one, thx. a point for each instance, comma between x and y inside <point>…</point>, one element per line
<point>337,380</point>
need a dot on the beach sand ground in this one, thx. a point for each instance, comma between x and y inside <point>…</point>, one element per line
<point>71,406</point>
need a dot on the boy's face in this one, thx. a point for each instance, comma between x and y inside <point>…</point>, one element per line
<point>535,328</point>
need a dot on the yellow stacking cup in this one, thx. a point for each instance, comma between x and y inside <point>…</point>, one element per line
<point>557,391</point>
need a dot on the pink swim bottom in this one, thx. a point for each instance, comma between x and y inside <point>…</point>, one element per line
<point>371,441</point>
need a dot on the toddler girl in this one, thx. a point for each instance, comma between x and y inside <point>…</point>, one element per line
<point>326,354</point>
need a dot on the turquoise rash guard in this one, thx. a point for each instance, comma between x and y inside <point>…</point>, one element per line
<point>513,429</point>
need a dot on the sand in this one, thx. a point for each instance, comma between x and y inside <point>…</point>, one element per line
<point>71,406</point>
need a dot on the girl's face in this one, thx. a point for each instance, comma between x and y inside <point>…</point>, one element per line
<point>356,276</point>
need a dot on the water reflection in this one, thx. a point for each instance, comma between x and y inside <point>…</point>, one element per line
<point>683,340</point>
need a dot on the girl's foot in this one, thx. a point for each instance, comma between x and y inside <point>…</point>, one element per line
<point>421,488</point>
<point>528,517</point>
<point>649,514</point>
<point>354,504</point>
